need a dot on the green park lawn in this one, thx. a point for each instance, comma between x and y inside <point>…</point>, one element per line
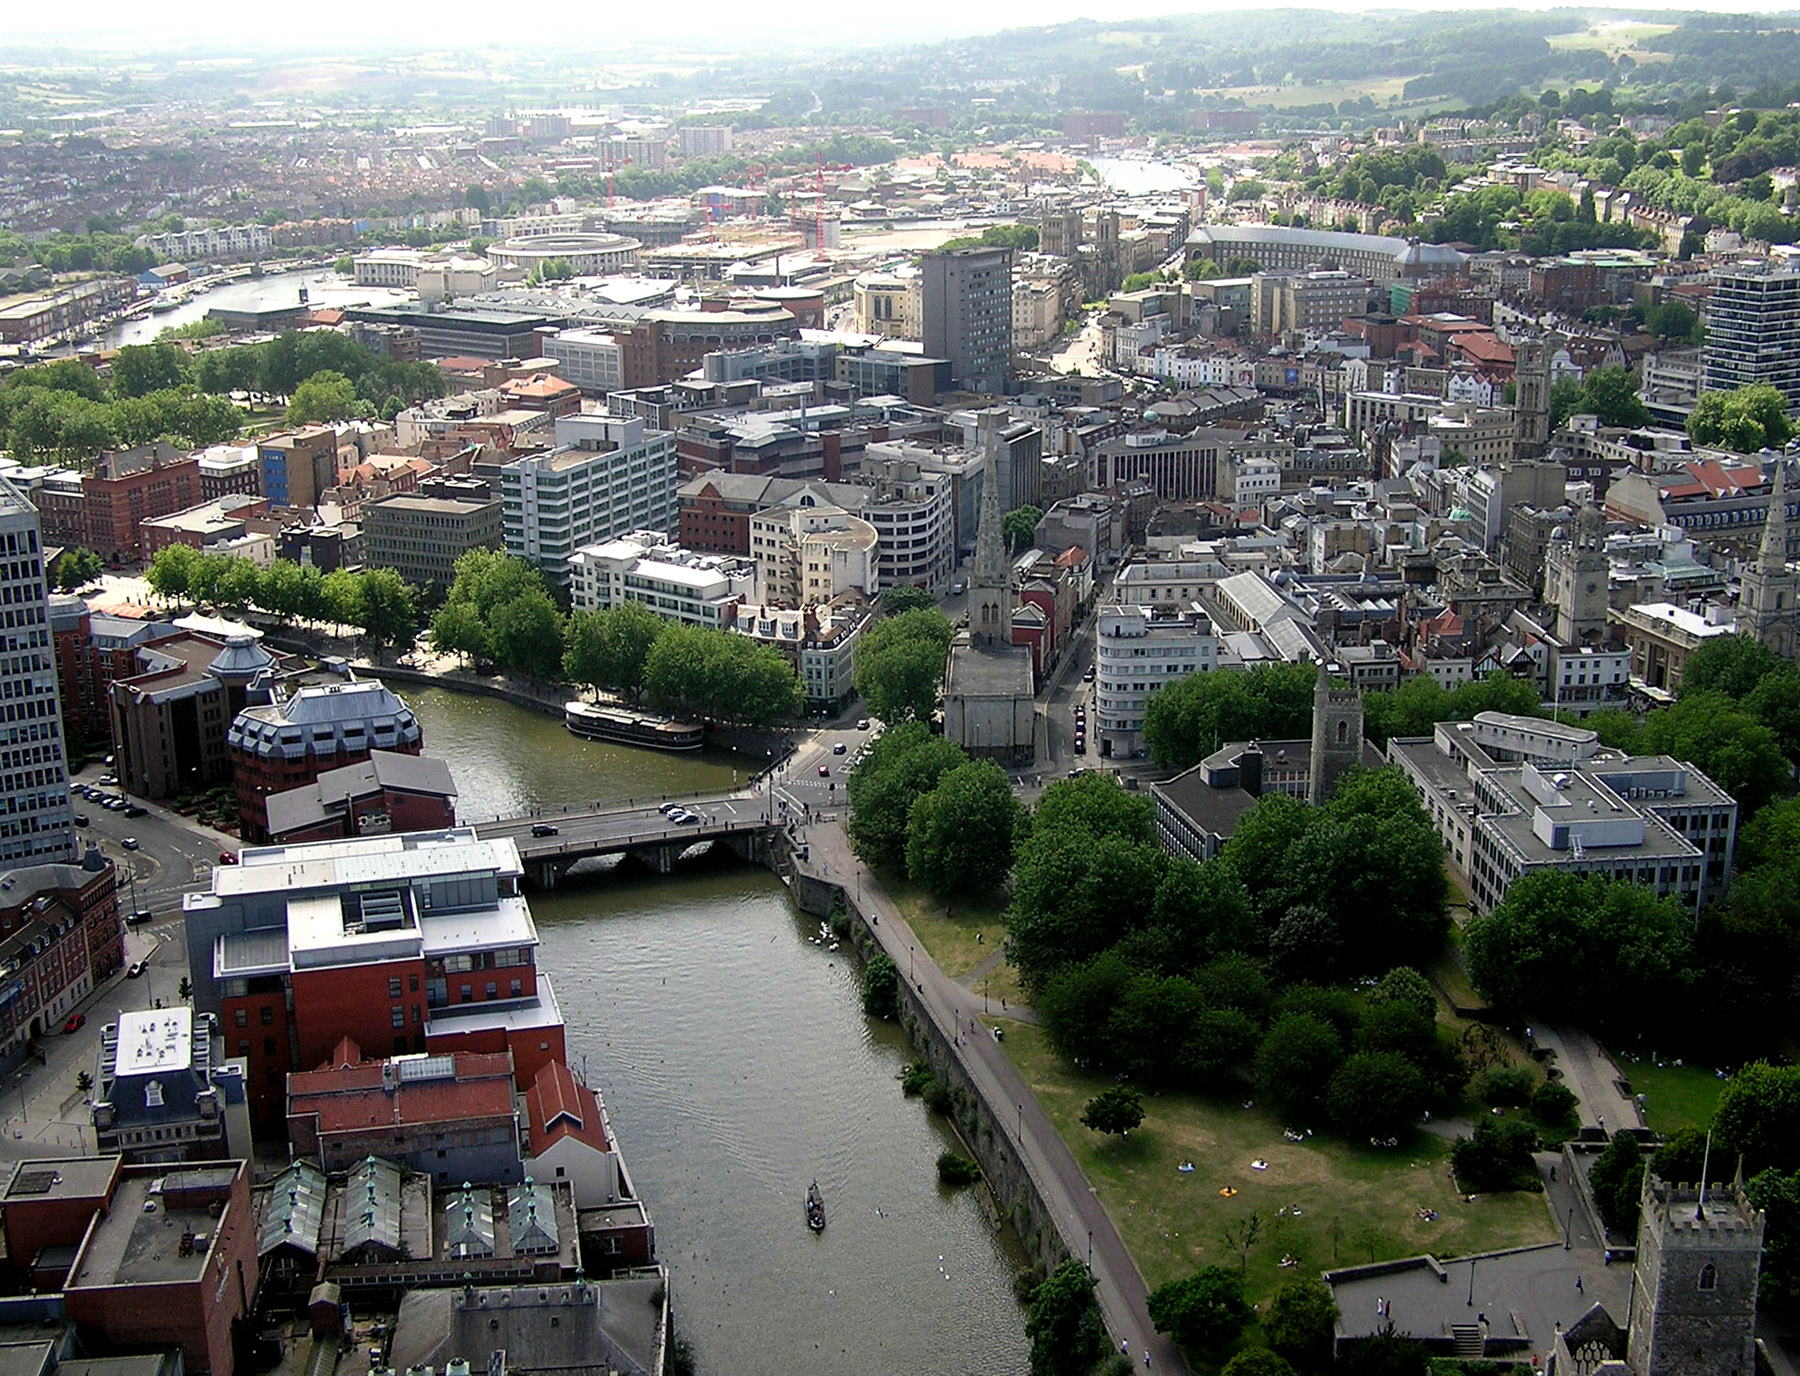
<point>1675,1096</point>
<point>951,940</point>
<point>1352,1203</point>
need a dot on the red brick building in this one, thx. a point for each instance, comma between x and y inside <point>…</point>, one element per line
<point>61,935</point>
<point>131,486</point>
<point>289,742</point>
<point>47,1205</point>
<point>171,1262</point>
<point>403,943</point>
<point>387,792</point>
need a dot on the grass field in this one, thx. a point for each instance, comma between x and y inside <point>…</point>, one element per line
<point>1675,1096</point>
<point>952,940</point>
<point>1343,1203</point>
<point>1283,97</point>
<point>1612,39</point>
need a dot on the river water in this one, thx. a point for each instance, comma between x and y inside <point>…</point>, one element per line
<point>323,288</point>
<point>1136,177</point>
<point>737,1066</point>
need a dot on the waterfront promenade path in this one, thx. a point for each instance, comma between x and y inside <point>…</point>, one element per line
<point>1060,1180</point>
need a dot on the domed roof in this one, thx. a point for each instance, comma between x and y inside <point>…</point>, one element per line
<point>242,657</point>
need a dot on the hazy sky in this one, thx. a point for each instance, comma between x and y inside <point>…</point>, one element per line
<point>702,23</point>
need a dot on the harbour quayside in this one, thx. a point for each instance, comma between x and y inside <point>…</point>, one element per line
<point>624,727</point>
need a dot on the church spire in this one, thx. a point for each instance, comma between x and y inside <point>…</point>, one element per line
<point>990,547</point>
<point>1772,557</point>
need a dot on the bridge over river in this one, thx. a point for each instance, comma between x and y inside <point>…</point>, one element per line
<point>550,842</point>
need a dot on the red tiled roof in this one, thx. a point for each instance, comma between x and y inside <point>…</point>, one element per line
<point>349,1096</point>
<point>561,1106</point>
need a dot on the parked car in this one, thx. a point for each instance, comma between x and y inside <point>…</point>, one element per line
<point>137,969</point>
<point>139,918</point>
<point>81,819</point>
<point>76,1022</point>
<point>862,724</point>
<point>543,829</point>
<point>129,842</point>
<point>109,779</point>
<point>134,810</point>
<point>839,749</point>
<point>227,858</point>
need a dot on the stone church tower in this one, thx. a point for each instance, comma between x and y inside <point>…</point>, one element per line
<point>1770,600</point>
<point>1575,579</point>
<point>1337,737</point>
<point>990,584</point>
<point>1693,1288</point>
<point>1531,400</point>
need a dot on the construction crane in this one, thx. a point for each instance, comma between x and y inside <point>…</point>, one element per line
<point>611,171</point>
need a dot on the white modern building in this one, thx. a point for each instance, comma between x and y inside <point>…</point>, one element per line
<point>591,359</point>
<point>914,515</point>
<point>1138,649</point>
<point>1515,795</point>
<point>807,555</point>
<point>700,589</point>
<point>606,477</point>
<point>37,825</point>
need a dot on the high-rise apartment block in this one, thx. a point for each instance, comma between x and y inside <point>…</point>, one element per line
<point>37,825</point>
<point>607,477</point>
<point>968,315</point>
<point>1753,329</point>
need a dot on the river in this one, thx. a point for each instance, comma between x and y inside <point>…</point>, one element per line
<point>737,1066</point>
<point>1136,177</point>
<point>323,288</point>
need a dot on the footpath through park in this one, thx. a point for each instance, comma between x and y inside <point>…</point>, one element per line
<point>1060,1180</point>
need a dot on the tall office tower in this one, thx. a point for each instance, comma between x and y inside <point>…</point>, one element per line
<point>1753,329</point>
<point>966,300</point>
<point>37,824</point>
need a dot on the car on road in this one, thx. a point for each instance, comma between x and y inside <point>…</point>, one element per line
<point>136,970</point>
<point>839,749</point>
<point>862,724</point>
<point>129,842</point>
<point>543,829</point>
<point>76,1022</point>
<point>139,918</point>
<point>134,810</point>
<point>824,771</point>
<point>1088,677</point>
<point>81,819</point>
<point>111,779</point>
<point>684,817</point>
<point>227,857</point>
<point>670,809</point>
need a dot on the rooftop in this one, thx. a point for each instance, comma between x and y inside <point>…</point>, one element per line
<point>89,1177</point>
<point>160,1230</point>
<point>159,1040</point>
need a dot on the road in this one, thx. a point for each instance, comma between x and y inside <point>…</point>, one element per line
<point>1072,1203</point>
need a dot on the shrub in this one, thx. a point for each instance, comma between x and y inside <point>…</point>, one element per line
<point>957,1170</point>
<point>881,988</point>
<point>1506,1086</point>
<point>1553,1105</point>
<point>1497,1157</point>
<point>916,1077</point>
<point>938,1098</point>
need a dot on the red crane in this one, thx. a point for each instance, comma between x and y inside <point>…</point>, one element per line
<point>611,171</point>
<point>819,223</point>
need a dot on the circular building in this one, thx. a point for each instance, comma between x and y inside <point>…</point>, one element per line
<point>593,254</point>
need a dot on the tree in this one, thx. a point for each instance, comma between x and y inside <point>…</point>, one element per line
<point>1117,1108</point>
<point>1559,944</point>
<point>323,398</point>
<point>83,1082</point>
<point>1758,1117</point>
<point>608,649</point>
<point>1301,1322</point>
<point>904,763</point>
<point>881,987</point>
<point>1064,1324</point>
<point>1745,419</point>
<point>1736,751</point>
<point>1019,526</point>
<point>1617,1180</point>
<point>1380,1091</point>
<point>76,568</point>
<point>1385,1353</point>
<point>1778,1196</point>
<point>1077,1002</point>
<point>1306,944</point>
<point>1406,987</point>
<point>476,195</point>
<point>1498,1156</point>
<point>1096,805</point>
<point>184,990</point>
<point>140,369</point>
<point>1296,1061</point>
<point>959,836</point>
<point>526,634</point>
<point>390,609</point>
<point>1205,1311</point>
<point>899,665</point>
<point>1188,718</point>
<point>170,570</point>
<point>1257,1361</point>
<point>1730,664</point>
<point>1611,395</point>
<point>893,601</point>
<point>458,629</point>
<point>719,675</point>
<point>1073,896</point>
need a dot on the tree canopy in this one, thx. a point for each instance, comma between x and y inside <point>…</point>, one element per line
<point>959,836</point>
<point>899,665</point>
<point>1188,718</point>
<point>1745,419</point>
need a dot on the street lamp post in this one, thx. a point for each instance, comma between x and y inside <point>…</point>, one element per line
<point>1090,1250</point>
<point>1569,1230</point>
<point>1471,1282</point>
